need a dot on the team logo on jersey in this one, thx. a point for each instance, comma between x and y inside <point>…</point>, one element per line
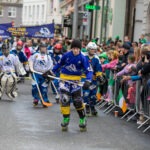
<point>41,62</point>
<point>90,68</point>
<point>8,63</point>
<point>72,68</point>
<point>79,62</point>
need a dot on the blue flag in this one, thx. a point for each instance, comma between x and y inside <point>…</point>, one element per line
<point>4,30</point>
<point>43,31</point>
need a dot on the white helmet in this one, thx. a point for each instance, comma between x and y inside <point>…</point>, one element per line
<point>91,45</point>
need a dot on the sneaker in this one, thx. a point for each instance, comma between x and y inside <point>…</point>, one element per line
<point>139,122</point>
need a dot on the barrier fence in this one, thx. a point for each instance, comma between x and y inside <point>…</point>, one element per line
<point>136,96</point>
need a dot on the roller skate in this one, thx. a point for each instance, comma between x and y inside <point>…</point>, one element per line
<point>35,102</point>
<point>82,124</point>
<point>87,110</point>
<point>93,111</point>
<point>65,124</point>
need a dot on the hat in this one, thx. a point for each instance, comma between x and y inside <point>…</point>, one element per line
<point>103,55</point>
<point>117,37</point>
<point>126,46</point>
<point>76,44</point>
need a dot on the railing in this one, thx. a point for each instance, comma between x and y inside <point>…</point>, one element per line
<point>138,105</point>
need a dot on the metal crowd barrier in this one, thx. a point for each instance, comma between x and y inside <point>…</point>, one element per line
<point>140,107</point>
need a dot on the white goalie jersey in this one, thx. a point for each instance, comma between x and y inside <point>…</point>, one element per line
<point>11,64</point>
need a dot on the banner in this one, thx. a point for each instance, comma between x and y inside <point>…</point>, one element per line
<point>4,30</point>
<point>43,31</point>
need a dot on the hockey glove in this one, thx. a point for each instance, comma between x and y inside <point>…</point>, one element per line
<point>86,85</point>
<point>49,72</point>
<point>101,79</point>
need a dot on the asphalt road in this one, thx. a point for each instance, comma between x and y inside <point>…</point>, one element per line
<point>23,127</point>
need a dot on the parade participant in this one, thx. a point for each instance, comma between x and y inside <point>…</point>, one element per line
<point>40,62</point>
<point>9,63</point>
<point>29,47</point>
<point>56,56</point>
<point>18,51</point>
<point>90,94</point>
<point>72,64</point>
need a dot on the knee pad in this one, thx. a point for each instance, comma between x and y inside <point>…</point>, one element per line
<point>78,103</point>
<point>65,99</point>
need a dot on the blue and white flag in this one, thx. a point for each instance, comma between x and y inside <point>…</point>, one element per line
<point>43,31</point>
<point>4,30</point>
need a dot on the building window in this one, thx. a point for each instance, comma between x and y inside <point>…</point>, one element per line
<point>1,11</point>
<point>43,14</point>
<point>33,14</point>
<point>38,9</point>
<point>30,12</point>
<point>12,12</point>
<point>52,6</point>
<point>25,12</point>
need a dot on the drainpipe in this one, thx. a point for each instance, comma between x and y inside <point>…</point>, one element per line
<point>102,22</point>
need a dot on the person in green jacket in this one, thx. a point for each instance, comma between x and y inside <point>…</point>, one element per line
<point>104,60</point>
<point>142,39</point>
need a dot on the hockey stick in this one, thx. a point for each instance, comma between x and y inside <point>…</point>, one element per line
<point>43,102</point>
<point>26,78</point>
<point>54,87</point>
<point>79,84</point>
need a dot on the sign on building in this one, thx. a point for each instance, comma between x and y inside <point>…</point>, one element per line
<point>67,21</point>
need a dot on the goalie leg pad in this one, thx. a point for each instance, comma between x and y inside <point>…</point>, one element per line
<point>11,87</point>
<point>3,82</point>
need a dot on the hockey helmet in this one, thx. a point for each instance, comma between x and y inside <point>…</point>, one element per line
<point>5,46</point>
<point>5,49</point>
<point>20,43</point>
<point>58,46</point>
<point>91,45</point>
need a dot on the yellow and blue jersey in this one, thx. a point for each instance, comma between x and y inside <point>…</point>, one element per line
<point>96,66</point>
<point>72,67</point>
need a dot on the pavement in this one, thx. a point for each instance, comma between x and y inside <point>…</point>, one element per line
<point>24,127</point>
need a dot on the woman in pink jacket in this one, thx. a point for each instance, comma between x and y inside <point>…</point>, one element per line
<point>114,60</point>
<point>111,65</point>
